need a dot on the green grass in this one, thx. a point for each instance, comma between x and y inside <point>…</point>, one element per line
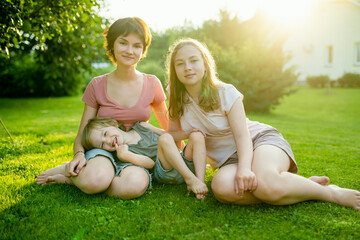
<point>324,131</point>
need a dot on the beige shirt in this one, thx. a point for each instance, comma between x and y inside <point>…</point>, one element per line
<point>220,143</point>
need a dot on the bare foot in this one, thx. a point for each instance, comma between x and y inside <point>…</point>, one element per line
<point>57,179</point>
<point>43,177</point>
<point>198,187</point>
<point>346,197</point>
<point>323,180</point>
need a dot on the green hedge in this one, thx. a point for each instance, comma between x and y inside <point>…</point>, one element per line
<point>351,80</point>
<point>320,81</point>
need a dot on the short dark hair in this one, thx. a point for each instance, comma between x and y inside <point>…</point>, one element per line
<point>123,27</point>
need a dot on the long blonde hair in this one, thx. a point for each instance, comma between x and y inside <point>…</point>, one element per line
<point>209,99</point>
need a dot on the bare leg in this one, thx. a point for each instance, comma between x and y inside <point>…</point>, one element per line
<point>279,187</point>
<point>132,183</point>
<point>170,157</point>
<point>58,179</point>
<point>223,186</point>
<point>96,176</point>
<point>323,180</point>
<point>196,151</point>
<point>46,177</point>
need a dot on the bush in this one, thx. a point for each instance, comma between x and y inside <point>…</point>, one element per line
<point>29,78</point>
<point>154,68</point>
<point>257,72</point>
<point>244,58</point>
<point>55,65</point>
<point>351,80</point>
<point>320,81</point>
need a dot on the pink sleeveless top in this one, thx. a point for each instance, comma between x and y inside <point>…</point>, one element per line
<point>96,96</point>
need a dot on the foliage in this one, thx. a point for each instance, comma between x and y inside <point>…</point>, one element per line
<point>56,42</point>
<point>32,22</point>
<point>251,60</point>
<point>351,80</point>
<point>320,81</point>
<point>246,54</point>
<point>310,120</point>
<point>154,68</point>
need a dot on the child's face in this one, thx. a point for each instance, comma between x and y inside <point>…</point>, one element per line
<point>106,138</point>
<point>189,65</point>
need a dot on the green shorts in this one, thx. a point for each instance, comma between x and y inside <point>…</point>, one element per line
<point>171,176</point>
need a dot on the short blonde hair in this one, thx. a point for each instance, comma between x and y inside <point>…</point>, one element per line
<point>95,123</point>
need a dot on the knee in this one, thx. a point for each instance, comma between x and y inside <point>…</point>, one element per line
<point>269,188</point>
<point>95,183</point>
<point>165,139</point>
<point>223,189</point>
<point>196,137</point>
<point>138,185</point>
<point>132,184</point>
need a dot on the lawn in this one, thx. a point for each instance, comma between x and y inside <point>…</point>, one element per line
<point>323,130</point>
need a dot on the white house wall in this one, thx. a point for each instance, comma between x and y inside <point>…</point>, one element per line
<point>336,24</point>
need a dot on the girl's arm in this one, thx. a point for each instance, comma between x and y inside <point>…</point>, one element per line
<point>177,135</point>
<point>161,114</point>
<point>124,154</point>
<point>245,179</point>
<point>174,126</point>
<point>79,161</point>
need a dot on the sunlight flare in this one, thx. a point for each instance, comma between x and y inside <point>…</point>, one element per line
<point>287,12</point>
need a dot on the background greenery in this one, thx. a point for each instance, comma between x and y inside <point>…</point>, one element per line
<point>322,129</point>
<point>48,48</point>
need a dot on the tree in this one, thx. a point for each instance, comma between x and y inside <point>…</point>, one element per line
<point>250,57</point>
<point>32,22</point>
<point>47,45</point>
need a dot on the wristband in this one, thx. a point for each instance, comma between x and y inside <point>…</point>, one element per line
<point>80,151</point>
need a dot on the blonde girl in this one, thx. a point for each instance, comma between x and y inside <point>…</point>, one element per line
<point>256,164</point>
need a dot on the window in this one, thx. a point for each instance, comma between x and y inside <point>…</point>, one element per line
<point>357,53</point>
<point>329,56</point>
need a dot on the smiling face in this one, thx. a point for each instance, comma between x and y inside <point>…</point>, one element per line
<point>189,65</point>
<point>128,49</point>
<point>106,138</point>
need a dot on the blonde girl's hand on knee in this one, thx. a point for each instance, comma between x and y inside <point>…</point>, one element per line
<point>197,130</point>
<point>245,180</point>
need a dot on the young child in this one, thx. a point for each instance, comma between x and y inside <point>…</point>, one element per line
<point>149,147</point>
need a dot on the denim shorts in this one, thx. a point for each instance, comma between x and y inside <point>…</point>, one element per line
<point>171,176</point>
<point>118,165</point>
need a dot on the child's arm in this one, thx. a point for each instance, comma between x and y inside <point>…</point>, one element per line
<point>178,135</point>
<point>124,154</point>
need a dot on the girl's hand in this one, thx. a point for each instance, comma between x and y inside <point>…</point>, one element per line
<point>245,180</point>
<point>75,166</point>
<point>197,130</point>
<point>121,150</point>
